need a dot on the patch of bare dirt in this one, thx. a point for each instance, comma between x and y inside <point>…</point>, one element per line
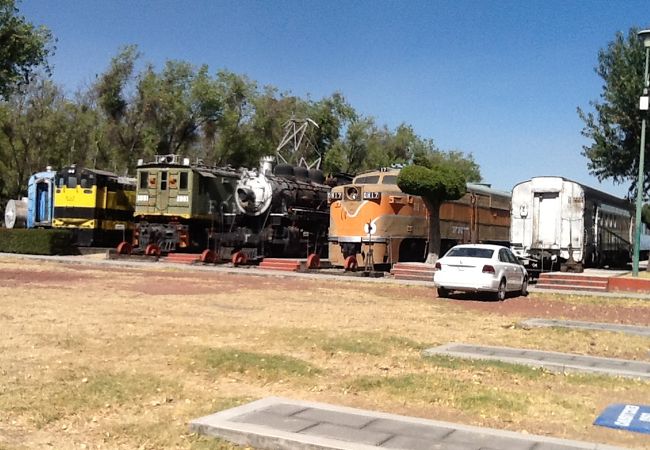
<point>17,277</point>
<point>538,306</point>
<point>116,362</point>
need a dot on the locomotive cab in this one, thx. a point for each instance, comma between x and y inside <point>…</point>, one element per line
<point>179,204</point>
<point>40,199</point>
<point>373,202</point>
<point>97,205</point>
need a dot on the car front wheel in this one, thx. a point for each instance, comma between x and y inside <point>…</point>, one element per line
<point>501,293</point>
<point>442,292</point>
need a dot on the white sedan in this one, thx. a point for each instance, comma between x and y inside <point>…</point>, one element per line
<point>480,268</point>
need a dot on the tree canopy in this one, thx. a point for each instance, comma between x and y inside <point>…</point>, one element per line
<point>443,180</point>
<point>614,125</point>
<point>23,48</point>
<point>136,110</point>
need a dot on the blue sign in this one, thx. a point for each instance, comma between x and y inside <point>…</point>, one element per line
<point>626,417</point>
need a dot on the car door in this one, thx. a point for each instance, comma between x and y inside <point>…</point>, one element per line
<point>512,269</point>
<point>506,265</point>
<point>517,269</point>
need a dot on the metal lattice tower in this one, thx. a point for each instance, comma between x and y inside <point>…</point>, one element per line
<point>296,145</point>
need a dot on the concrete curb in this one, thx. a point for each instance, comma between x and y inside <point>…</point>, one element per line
<point>230,424</point>
<point>635,330</point>
<point>554,361</point>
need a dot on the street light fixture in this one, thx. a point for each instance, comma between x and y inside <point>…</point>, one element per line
<point>644,35</point>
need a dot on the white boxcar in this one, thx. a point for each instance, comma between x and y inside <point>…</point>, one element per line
<point>558,224</point>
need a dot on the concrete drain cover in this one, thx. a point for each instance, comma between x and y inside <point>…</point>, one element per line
<point>549,360</point>
<point>628,329</point>
<point>280,423</point>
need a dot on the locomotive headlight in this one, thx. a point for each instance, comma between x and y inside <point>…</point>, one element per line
<point>142,198</point>
<point>182,198</point>
<point>352,193</point>
<point>371,195</point>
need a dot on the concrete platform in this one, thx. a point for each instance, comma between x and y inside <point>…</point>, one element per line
<point>613,327</point>
<point>560,362</point>
<point>280,423</point>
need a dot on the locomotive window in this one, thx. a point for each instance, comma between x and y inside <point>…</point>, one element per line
<point>163,181</point>
<point>389,179</point>
<point>373,179</point>
<point>183,181</point>
<point>144,176</point>
<point>100,181</point>
<point>72,182</point>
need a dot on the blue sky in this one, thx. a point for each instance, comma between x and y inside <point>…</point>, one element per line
<point>498,79</point>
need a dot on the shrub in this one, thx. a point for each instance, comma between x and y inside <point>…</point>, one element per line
<point>37,241</point>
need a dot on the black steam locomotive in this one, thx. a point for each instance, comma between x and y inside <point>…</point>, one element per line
<point>241,215</point>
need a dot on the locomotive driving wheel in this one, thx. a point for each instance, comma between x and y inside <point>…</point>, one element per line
<point>208,256</point>
<point>313,261</point>
<point>152,250</point>
<point>239,258</point>
<point>350,264</point>
<point>124,248</point>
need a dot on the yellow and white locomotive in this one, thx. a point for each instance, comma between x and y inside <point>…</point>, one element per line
<point>373,211</point>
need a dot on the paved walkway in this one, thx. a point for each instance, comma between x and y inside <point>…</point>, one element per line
<point>614,327</point>
<point>550,360</point>
<point>280,423</point>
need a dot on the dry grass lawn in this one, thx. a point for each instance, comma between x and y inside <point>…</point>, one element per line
<point>104,357</point>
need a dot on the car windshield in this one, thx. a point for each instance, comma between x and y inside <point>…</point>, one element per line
<point>471,252</point>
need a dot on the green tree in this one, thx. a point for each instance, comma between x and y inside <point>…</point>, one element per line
<point>464,162</point>
<point>178,105</point>
<point>349,154</point>
<point>614,126</point>
<point>23,48</point>
<point>230,135</point>
<point>40,127</point>
<point>271,111</point>
<point>118,140</point>
<point>332,114</point>
<point>442,182</point>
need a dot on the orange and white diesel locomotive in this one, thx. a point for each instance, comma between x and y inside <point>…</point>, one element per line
<point>372,212</point>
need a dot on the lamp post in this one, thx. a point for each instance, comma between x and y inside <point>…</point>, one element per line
<point>644,35</point>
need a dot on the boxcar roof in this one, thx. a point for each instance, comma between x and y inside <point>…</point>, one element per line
<point>487,189</point>
<point>590,192</point>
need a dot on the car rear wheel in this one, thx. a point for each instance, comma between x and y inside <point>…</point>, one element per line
<point>524,287</point>
<point>442,292</point>
<point>501,293</point>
